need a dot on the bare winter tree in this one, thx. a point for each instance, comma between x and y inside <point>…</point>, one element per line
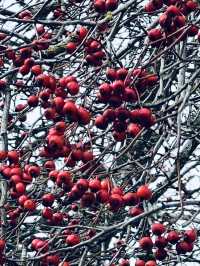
<point>100,132</point>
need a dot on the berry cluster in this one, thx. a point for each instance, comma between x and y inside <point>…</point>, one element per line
<point>118,91</point>
<point>173,22</point>
<point>163,244</point>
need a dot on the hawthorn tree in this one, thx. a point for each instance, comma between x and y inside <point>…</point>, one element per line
<point>99,132</point>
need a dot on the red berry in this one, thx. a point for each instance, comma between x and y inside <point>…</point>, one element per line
<point>40,29</point>
<point>117,87</point>
<point>29,205</point>
<point>154,34</point>
<point>180,21</point>
<point>36,70</point>
<point>71,47</point>
<point>135,211</point>
<point>116,202</point>
<point>191,5</point>
<point>34,171</point>
<point>33,101</point>
<point>73,239</point>
<point>48,199</point>
<point>57,218</point>
<point>173,237</point>
<point>124,262</point>
<point>2,36</point>
<point>150,263</point>
<point>193,30</point>
<point>13,156</point>
<point>41,244</point>
<point>2,244</point>
<point>100,122</point>
<point>139,262</point>
<point>190,235</point>
<point>82,32</point>
<point>173,10</point>
<point>160,242</point>
<point>20,188</point>
<point>144,192</point>
<point>102,196</point>
<point>133,129</point>
<point>130,198</point>
<point>71,110</point>
<point>87,156</point>
<point>105,89</point>
<point>47,213</point>
<point>95,185</point>
<point>111,5</point>
<point>158,229</point>
<point>3,155</point>
<point>146,243</point>
<point>82,184</point>
<point>73,87</point>
<point>24,70</point>
<point>53,260</point>
<point>83,116</point>
<point>111,74</point>
<point>22,199</point>
<point>117,190</point>
<point>77,155</point>
<point>122,73</point>
<point>184,247</point>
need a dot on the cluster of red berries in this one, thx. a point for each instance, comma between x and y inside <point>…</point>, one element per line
<point>119,91</point>
<point>18,180</point>
<point>94,52</point>
<point>41,245</point>
<point>185,6</point>
<point>92,48</point>
<point>59,146</point>
<point>172,22</point>
<point>58,107</point>
<point>184,243</point>
<point>102,6</point>
<point>125,121</point>
<point>95,191</point>
<point>120,88</point>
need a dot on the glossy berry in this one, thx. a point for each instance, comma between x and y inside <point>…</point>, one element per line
<point>48,199</point>
<point>190,235</point>
<point>133,129</point>
<point>71,47</point>
<point>33,101</point>
<point>146,243</point>
<point>140,262</point>
<point>73,239</point>
<point>151,263</point>
<point>173,237</point>
<point>29,205</point>
<point>158,229</point>
<point>144,192</point>
<point>160,242</point>
<point>130,198</point>
<point>184,247</point>
<point>95,185</point>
